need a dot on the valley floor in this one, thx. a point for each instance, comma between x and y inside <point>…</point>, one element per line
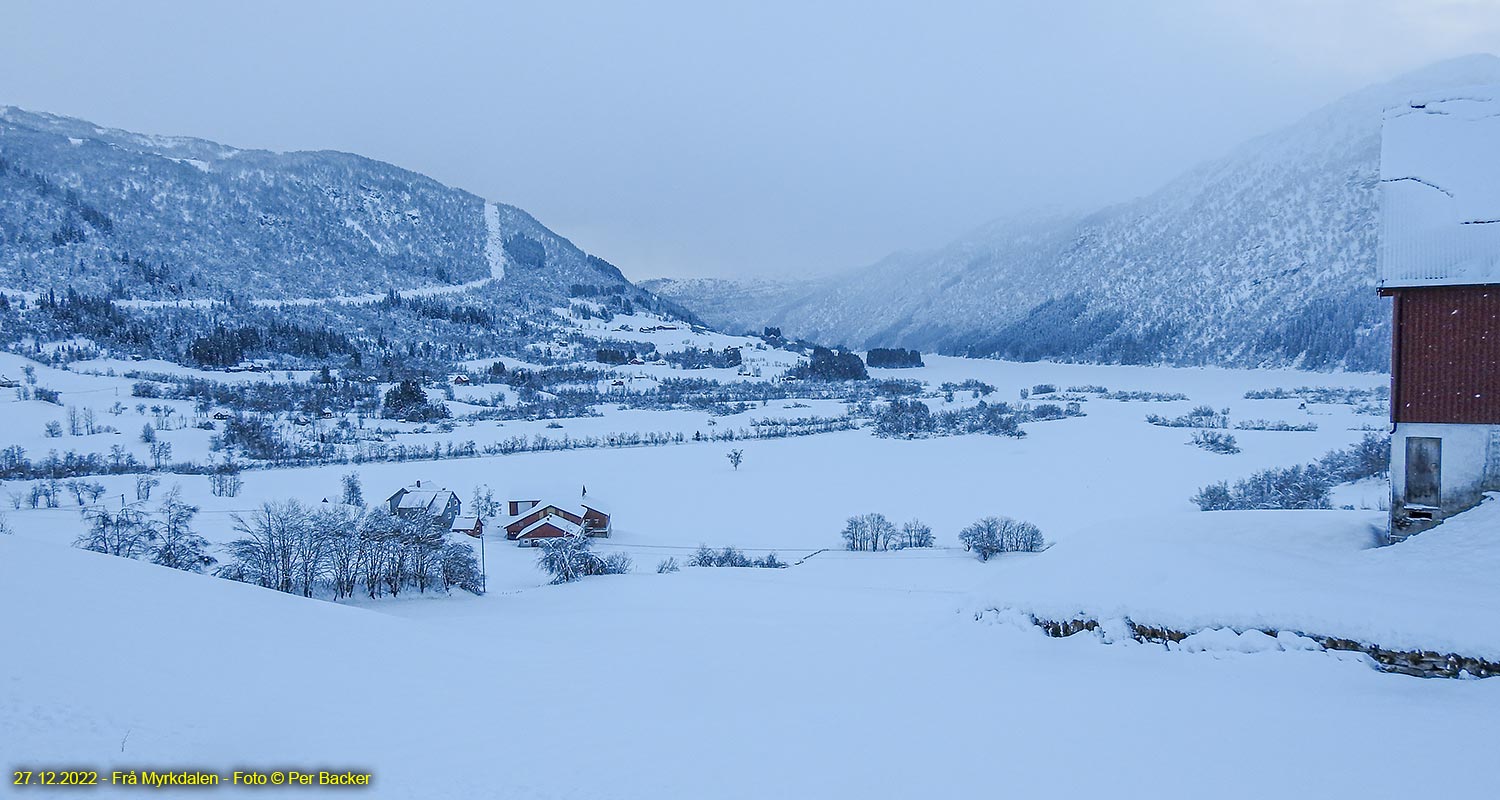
<point>901,674</point>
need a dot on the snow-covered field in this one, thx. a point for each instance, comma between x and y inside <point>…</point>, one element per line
<point>893,674</point>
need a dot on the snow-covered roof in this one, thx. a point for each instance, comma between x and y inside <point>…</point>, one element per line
<point>556,522</point>
<point>465,522</point>
<point>433,501</point>
<point>1440,189</point>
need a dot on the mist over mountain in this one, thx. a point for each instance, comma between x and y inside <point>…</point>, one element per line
<point>1265,256</point>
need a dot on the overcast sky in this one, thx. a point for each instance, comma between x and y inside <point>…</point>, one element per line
<point>735,139</point>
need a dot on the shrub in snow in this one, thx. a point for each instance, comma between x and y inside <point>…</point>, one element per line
<point>902,417</point>
<point>1044,388</point>
<point>1215,497</point>
<point>909,418</point>
<point>5,528</point>
<point>1290,487</point>
<point>732,557</point>
<point>869,532</point>
<point>148,433</point>
<point>1200,417</point>
<point>668,564</point>
<point>706,556</point>
<point>1216,442</point>
<point>1044,411</point>
<point>569,558</point>
<point>1369,457</point>
<point>994,535</point>
<point>1279,425</point>
<point>736,457</point>
<point>976,388</point>
<point>1346,395</point>
<point>1155,397</point>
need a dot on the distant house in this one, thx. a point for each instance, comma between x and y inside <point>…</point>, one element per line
<point>468,524</point>
<point>431,500</point>
<point>459,379</point>
<point>551,527</point>
<point>1440,265</point>
<point>528,517</point>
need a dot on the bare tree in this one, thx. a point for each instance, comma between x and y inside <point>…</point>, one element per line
<point>914,534</point>
<point>869,532</point>
<point>422,538</point>
<point>354,493</point>
<point>485,505</point>
<point>993,535</point>
<point>340,527</point>
<point>127,532</point>
<point>736,456</point>
<point>267,551</point>
<point>176,545</point>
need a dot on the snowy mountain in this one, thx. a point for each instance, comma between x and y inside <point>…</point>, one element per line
<point>144,217</point>
<point>1266,256</point>
<point>732,306</point>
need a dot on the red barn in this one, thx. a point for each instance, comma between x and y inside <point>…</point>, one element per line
<point>1440,264</point>
<point>529,513</point>
<point>552,527</point>
<point>468,525</point>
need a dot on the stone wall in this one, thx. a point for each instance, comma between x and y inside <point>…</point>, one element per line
<point>1419,663</point>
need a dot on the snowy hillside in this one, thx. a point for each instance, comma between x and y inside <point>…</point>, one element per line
<point>1265,256</point>
<point>108,212</point>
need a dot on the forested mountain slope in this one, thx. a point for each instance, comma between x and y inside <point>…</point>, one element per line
<point>1266,256</point>
<point>108,212</point>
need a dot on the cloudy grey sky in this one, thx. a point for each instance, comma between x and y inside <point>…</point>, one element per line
<point>734,139</point>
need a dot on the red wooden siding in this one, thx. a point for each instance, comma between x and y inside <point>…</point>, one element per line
<point>1445,357</point>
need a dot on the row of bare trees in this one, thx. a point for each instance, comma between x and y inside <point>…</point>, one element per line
<point>164,535</point>
<point>346,549</point>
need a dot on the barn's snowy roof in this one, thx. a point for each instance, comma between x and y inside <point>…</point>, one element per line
<point>1440,190</point>
<point>556,522</point>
